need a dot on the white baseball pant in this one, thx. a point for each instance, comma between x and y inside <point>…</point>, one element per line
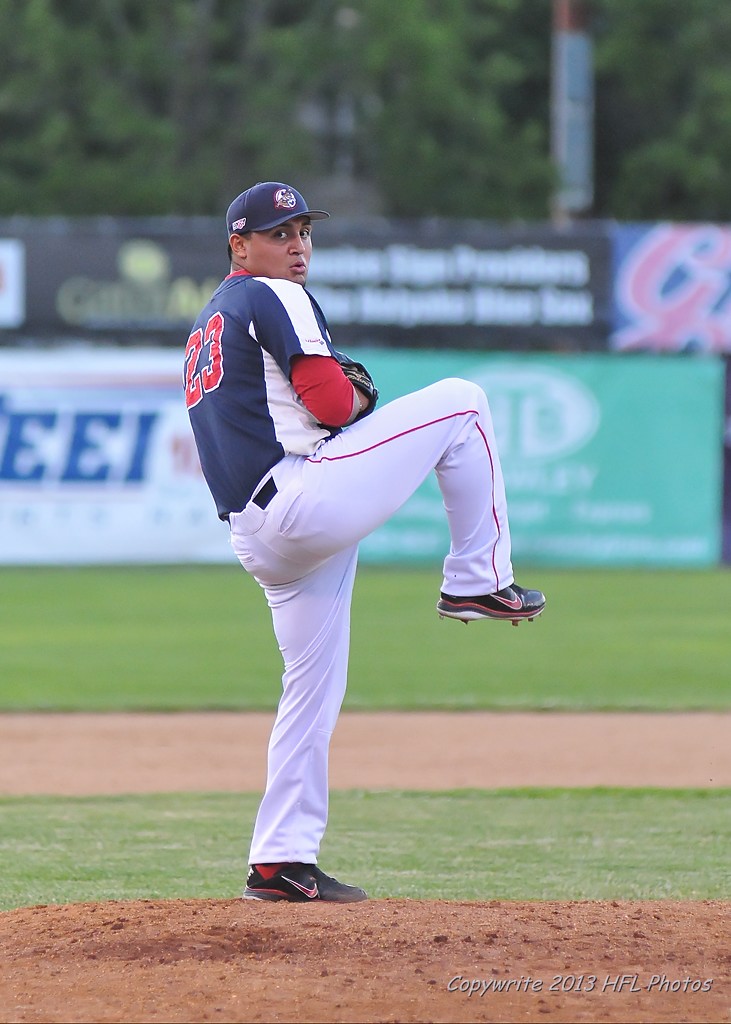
<point>302,550</point>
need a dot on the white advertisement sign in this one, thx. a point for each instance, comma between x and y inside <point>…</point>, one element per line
<point>97,461</point>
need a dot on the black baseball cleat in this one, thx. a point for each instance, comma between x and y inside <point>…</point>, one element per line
<point>512,603</point>
<point>298,883</point>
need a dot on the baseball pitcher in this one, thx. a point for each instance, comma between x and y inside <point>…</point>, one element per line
<point>302,465</point>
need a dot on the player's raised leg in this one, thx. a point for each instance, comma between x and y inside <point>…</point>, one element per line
<point>378,464</point>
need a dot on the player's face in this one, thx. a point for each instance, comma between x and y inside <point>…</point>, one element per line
<point>282,252</point>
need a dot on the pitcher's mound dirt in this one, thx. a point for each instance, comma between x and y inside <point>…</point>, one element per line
<point>389,960</point>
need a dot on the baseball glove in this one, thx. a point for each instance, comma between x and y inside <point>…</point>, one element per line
<point>360,379</point>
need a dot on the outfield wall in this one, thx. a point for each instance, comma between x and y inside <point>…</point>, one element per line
<point>608,459</point>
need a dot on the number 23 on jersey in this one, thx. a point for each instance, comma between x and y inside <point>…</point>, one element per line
<point>210,374</point>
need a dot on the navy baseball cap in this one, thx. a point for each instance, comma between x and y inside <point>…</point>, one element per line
<point>265,205</point>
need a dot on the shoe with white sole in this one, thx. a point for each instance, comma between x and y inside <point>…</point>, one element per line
<point>512,603</point>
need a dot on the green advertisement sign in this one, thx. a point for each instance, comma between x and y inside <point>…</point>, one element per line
<point>607,459</point>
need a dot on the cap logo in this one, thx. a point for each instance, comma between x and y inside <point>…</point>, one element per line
<point>285,199</point>
<point>238,224</point>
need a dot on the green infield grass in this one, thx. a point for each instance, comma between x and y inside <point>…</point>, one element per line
<point>165,638</point>
<point>553,844</point>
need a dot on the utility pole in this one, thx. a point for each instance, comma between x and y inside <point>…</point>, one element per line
<point>572,110</point>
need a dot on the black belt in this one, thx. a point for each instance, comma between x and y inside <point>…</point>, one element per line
<point>265,493</point>
<point>263,496</point>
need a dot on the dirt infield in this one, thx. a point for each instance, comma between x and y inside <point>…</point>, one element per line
<point>226,752</point>
<point>385,960</point>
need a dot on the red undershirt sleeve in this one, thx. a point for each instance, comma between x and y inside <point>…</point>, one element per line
<point>324,389</point>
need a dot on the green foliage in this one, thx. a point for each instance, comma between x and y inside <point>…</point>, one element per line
<point>663,109</point>
<point>130,107</point>
<point>443,109</point>
<point>200,637</point>
<point>461,121</point>
<point>511,844</point>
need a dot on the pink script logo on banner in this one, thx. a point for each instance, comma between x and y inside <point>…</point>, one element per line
<point>673,290</point>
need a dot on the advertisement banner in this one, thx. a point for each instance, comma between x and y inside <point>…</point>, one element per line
<point>97,461</point>
<point>672,288</point>
<point>727,469</point>
<point>476,285</point>
<point>607,460</point>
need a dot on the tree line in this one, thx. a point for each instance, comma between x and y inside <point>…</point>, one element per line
<point>421,108</point>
